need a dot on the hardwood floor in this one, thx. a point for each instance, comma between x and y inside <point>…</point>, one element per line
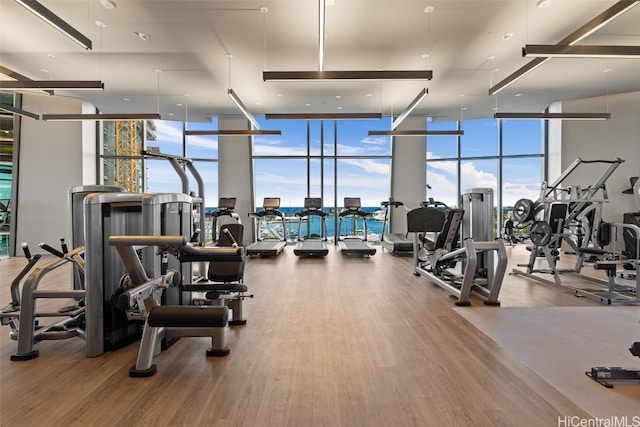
<point>336,341</point>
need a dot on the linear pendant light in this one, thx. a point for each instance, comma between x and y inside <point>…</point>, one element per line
<point>52,84</point>
<point>19,111</point>
<point>549,116</point>
<point>409,109</point>
<point>321,25</point>
<point>348,75</point>
<point>323,116</point>
<point>416,132</point>
<point>100,117</point>
<point>239,132</point>
<point>242,108</point>
<point>55,21</point>
<point>589,28</point>
<point>580,51</point>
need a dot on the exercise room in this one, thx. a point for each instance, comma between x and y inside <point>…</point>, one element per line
<point>320,213</point>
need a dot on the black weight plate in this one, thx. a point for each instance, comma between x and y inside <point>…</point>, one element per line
<point>540,233</point>
<point>524,210</point>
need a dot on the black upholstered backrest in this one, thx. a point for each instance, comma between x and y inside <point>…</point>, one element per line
<point>425,220</point>
<point>228,271</point>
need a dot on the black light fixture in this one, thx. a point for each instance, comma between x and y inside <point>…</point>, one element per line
<point>416,132</point>
<point>19,111</point>
<point>580,51</point>
<point>348,75</point>
<point>323,116</point>
<point>551,116</point>
<point>52,84</point>
<point>100,117</point>
<point>239,132</point>
<point>590,27</point>
<point>55,21</point>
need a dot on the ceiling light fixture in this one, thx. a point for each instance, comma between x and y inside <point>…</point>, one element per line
<point>551,116</point>
<point>590,27</point>
<point>52,84</point>
<point>348,75</point>
<point>580,51</point>
<point>242,108</point>
<point>55,21</point>
<point>323,116</point>
<point>108,4</point>
<point>19,111</point>
<point>416,132</point>
<point>543,3</point>
<point>100,117</point>
<point>321,21</point>
<point>239,132</point>
<point>409,109</point>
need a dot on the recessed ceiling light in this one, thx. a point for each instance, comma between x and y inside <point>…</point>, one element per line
<point>508,36</point>
<point>425,55</point>
<point>518,94</point>
<point>491,58</point>
<point>108,4</point>
<point>429,9</point>
<point>44,70</point>
<point>607,70</point>
<point>264,9</point>
<point>142,36</point>
<point>126,99</point>
<point>339,108</point>
<point>101,24</point>
<point>543,3</point>
<point>307,105</point>
<point>179,105</point>
<point>279,94</point>
<point>338,96</point>
<point>464,108</point>
<point>369,94</point>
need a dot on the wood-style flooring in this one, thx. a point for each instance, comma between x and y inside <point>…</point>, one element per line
<point>335,341</point>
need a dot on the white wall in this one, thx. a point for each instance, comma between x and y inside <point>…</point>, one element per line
<point>409,171</point>
<point>618,137</point>
<point>51,162</point>
<point>235,169</point>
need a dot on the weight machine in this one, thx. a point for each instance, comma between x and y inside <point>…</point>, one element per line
<point>571,215</point>
<point>437,261</point>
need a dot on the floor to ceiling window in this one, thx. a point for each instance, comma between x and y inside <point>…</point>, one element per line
<point>506,156</point>
<point>327,159</point>
<point>7,125</point>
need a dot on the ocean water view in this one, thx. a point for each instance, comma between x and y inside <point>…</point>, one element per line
<point>271,227</point>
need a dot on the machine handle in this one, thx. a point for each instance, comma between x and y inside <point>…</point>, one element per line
<point>227,233</point>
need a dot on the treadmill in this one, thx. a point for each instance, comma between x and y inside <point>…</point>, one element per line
<point>223,215</point>
<point>354,245</point>
<point>312,246</point>
<point>396,243</point>
<point>276,240</point>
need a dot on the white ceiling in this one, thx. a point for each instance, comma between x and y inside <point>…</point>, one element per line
<point>191,42</point>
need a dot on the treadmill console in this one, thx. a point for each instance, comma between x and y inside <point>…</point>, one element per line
<point>313,203</point>
<point>352,203</point>
<point>271,203</point>
<point>227,203</point>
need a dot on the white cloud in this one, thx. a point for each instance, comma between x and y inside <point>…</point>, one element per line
<point>368,165</point>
